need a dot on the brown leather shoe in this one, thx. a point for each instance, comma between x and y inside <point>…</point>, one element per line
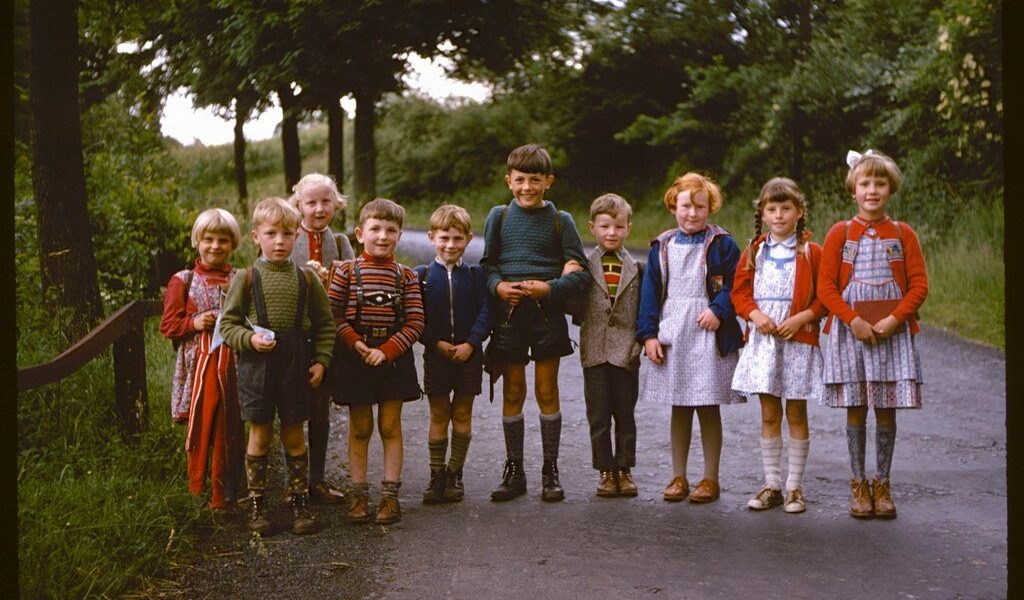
<point>677,490</point>
<point>882,500</point>
<point>324,493</point>
<point>706,491</point>
<point>860,499</point>
<point>607,487</point>
<point>626,485</point>
<point>358,511</point>
<point>389,511</point>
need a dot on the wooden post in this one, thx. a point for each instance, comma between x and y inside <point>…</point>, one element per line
<point>130,381</point>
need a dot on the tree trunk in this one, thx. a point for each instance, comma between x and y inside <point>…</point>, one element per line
<point>336,142</point>
<point>240,179</point>
<point>67,261</point>
<point>290,138</point>
<point>365,155</point>
<point>799,117</point>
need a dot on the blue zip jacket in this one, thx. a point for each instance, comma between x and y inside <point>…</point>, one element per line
<point>470,321</point>
<point>720,256</point>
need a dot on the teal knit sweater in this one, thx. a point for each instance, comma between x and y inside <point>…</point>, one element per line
<point>526,247</point>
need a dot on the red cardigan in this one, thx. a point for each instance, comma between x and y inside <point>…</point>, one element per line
<point>909,270</point>
<point>803,289</point>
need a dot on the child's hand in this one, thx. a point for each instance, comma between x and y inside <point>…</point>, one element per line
<point>374,357</point>
<point>260,343</point>
<point>862,331</point>
<point>571,266</point>
<point>462,352</point>
<point>654,351</point>
<point>446,349</point>
<point>316,375</point>
<point>886,327</point>
<point>204,321</point>
<point>361,347</point>
<point>788,328</point>
<point>535,288</point>
<point>511,292</point>
<point>707,320</point>
<point>763,323</point>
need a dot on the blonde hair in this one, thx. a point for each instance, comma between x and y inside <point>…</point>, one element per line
<point>612,205</point>
<point>694,183</point>
<point>216,220</point>
<point>312,180</point>
<point>778,189</point>
<point>875,164</point>
<point>383,209</point>
<point>276,210</point>
<point>450,216</point>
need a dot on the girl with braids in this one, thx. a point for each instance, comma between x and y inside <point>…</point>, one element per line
<point>873,280</point>
<point>774,289</point>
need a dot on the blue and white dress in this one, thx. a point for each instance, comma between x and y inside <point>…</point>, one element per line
<point>693,373</point>
<point>769,364</point>
<point>884,375</point>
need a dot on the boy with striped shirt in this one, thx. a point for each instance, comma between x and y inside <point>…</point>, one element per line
<point>378,315</point>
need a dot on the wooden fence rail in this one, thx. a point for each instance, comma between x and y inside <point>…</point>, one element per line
<point>123,330</point>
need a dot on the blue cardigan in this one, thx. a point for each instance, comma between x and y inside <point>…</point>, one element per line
<point>472,310</point>
<point>721,257</point>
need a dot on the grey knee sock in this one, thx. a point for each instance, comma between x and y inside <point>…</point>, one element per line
<point>514,427</point>
<point>885,443</point>
<point>856,436</point>
<point>551,434</point>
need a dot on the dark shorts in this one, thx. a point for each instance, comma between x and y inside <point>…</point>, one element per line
<point>359,384</point>
<point>536,331</point>
<point>276,382</point>
<point>441,376</point>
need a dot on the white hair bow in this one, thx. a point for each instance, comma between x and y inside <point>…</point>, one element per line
<point>853,156</point>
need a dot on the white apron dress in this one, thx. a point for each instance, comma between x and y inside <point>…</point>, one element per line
<point>769,364</point>
<point>693,373</point>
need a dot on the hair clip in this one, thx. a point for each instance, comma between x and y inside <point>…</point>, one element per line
<point>853,156</point>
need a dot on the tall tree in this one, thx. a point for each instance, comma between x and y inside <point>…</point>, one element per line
<point>65,241</point>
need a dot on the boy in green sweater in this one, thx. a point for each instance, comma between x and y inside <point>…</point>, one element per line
<point>277,317</point>
<point>532,258</point>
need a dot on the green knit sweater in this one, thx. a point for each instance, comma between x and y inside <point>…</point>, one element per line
<point>280,293</point>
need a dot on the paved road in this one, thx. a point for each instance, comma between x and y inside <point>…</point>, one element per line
<point>949,541</point>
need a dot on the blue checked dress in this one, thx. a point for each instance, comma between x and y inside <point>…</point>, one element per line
<point>693,373</point>
<point>769,364</point>
<point>886,375</point>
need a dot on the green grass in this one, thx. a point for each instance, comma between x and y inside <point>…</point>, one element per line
<point>97,517</point>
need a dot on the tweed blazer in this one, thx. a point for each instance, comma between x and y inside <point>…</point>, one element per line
<point>608,326</point>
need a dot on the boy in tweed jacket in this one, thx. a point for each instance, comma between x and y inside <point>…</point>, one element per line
<point>609,351</point>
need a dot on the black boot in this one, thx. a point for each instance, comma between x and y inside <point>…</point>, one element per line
<point>552,490</point>
<point>434,494</point>
<point>513,482</point>
<point>453,491</point>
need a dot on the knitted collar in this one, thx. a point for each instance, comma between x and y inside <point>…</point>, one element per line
<point>303,225</point>
<point>366,256</point>
<point>446,266</point>
<point>205,269</point>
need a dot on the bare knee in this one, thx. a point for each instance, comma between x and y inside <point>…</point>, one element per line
<point>360,427</point>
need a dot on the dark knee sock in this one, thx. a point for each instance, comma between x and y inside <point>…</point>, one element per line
<point>460,447</point>
<point>551,434</point>
<point>437,448</point>
<point>318,436</point>
<point>514,431</point>
<point>856,436</point>
<point>885,443</point>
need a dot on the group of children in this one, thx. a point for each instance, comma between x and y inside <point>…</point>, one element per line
<point>309,322</point>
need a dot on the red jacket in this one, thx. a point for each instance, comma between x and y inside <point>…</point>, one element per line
<point>807,262</point>
<point>908,270</point>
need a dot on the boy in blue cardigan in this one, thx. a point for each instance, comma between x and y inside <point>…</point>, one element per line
<point>530,247</point>
<point>458,315</point>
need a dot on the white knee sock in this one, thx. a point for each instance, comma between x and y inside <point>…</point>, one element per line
<point>797,462</point>
<point>771,457</point>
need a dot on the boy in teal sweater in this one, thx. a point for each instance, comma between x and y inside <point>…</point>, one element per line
<point>277,317</point>
<point>529,246</point>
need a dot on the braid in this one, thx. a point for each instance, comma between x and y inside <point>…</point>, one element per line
<point>801,224</point>
<point>757,233</point>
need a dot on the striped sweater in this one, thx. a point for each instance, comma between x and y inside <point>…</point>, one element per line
<point>378,275</point>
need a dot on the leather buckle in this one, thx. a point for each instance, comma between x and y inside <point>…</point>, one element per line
<point>379,332</point>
